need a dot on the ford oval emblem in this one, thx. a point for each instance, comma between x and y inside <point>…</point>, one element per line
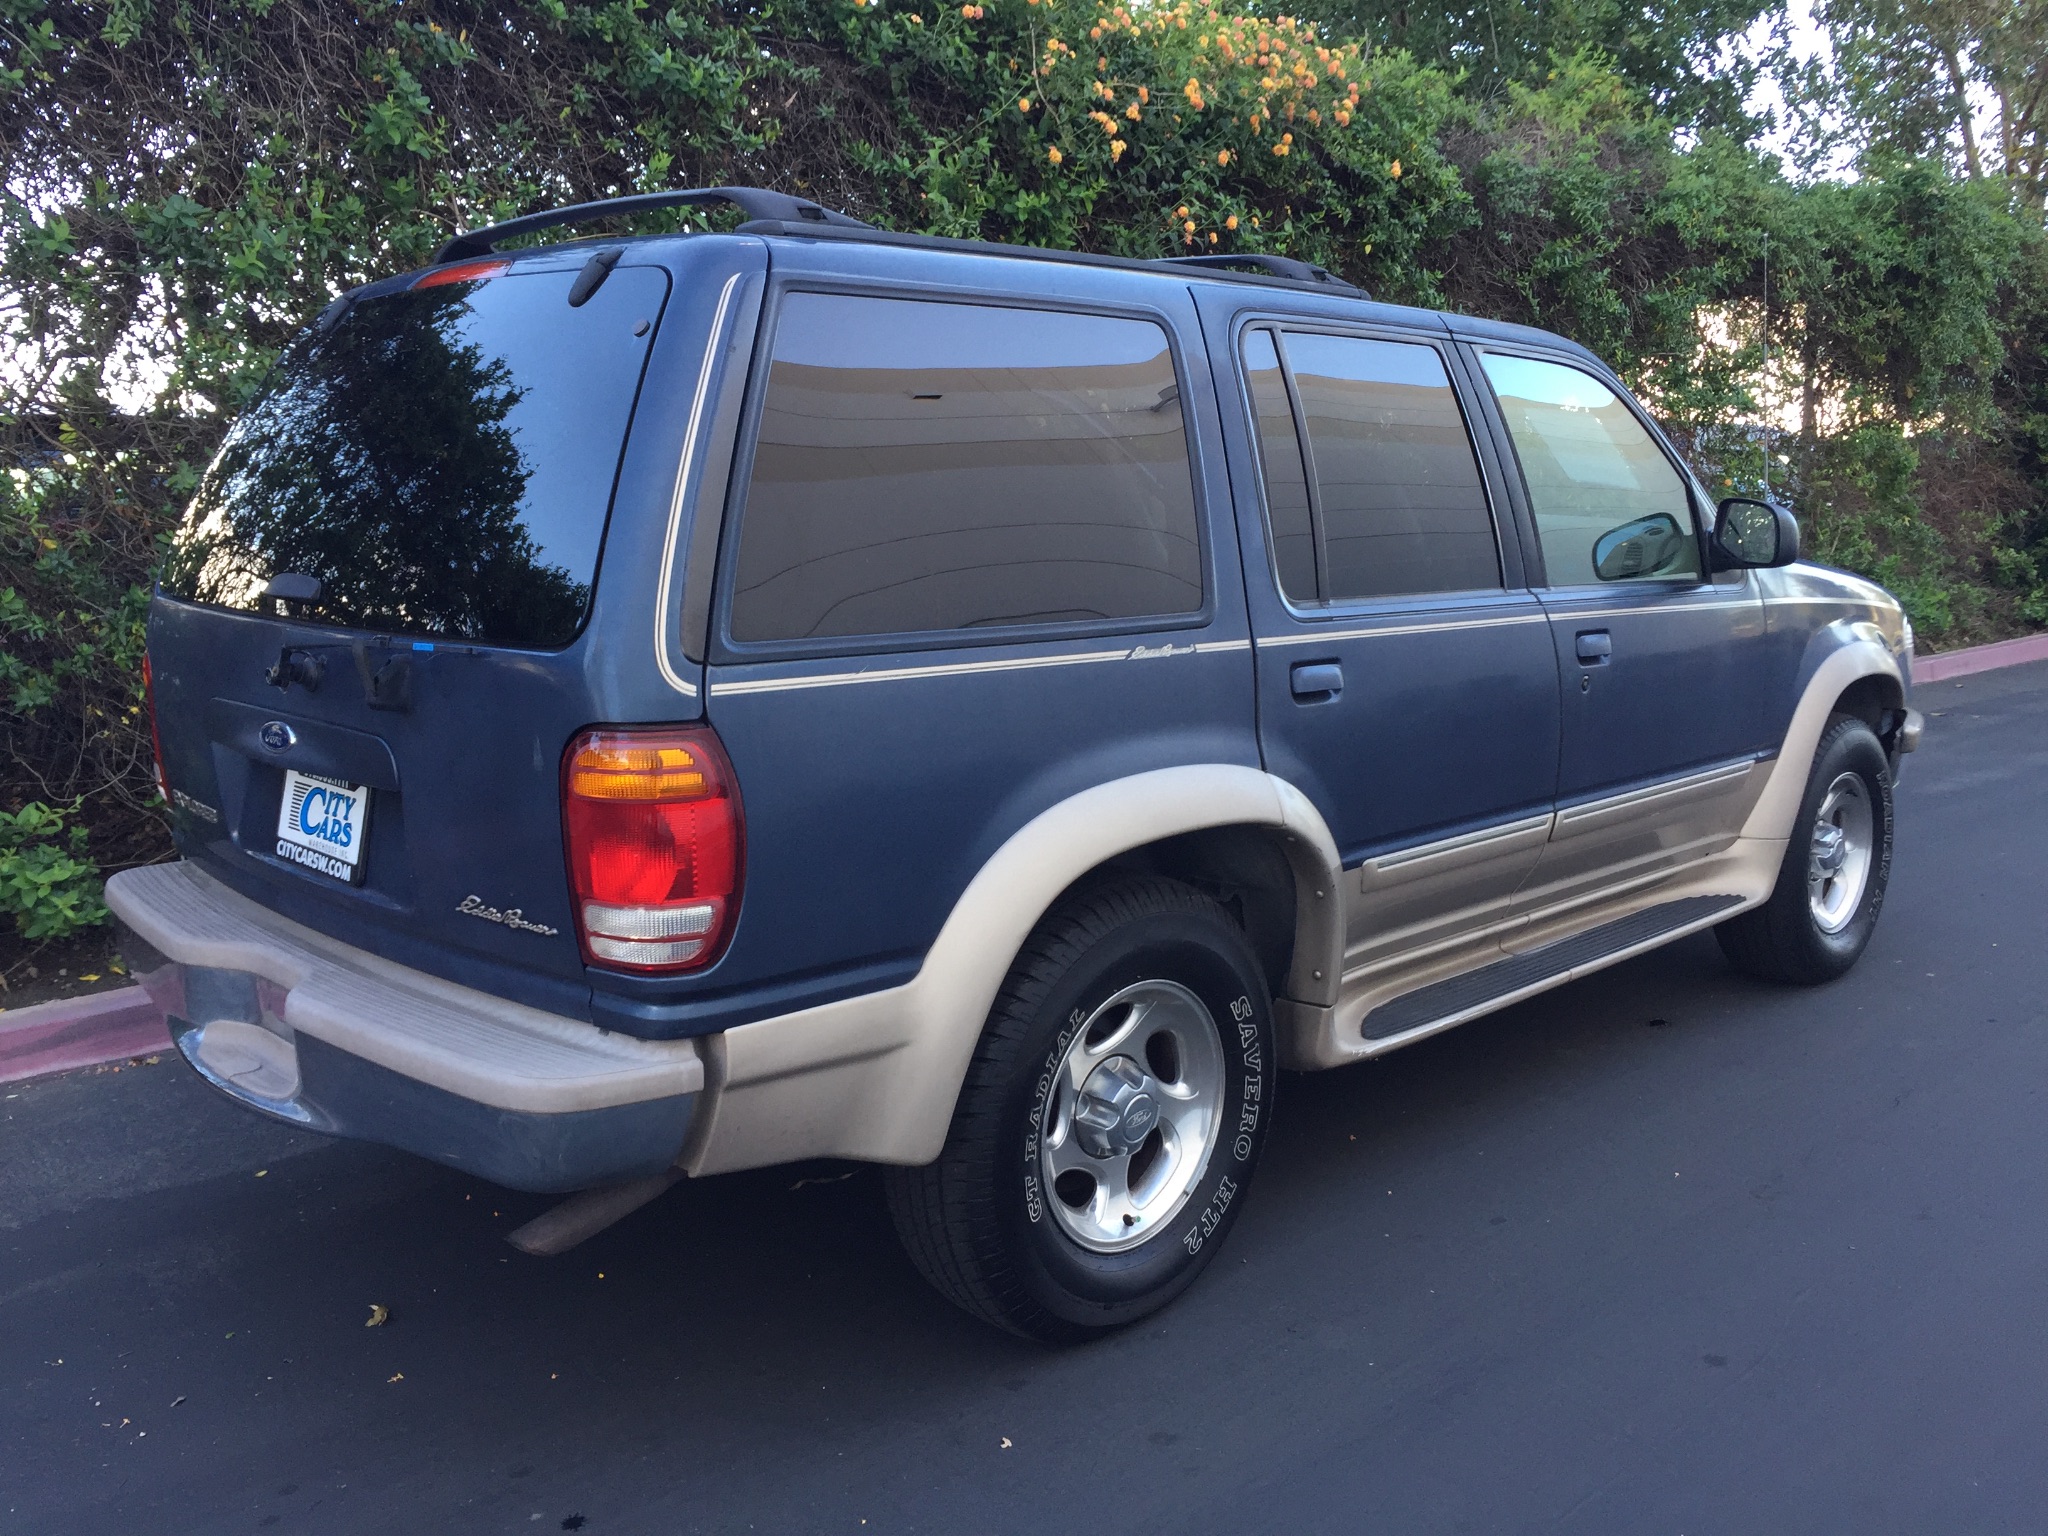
<point>278,736</point>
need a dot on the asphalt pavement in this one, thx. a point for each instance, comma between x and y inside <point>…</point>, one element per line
<point>1666,1250</point>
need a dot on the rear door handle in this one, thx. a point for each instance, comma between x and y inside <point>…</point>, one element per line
<point>1315,680</point>
<point>1595,646</point>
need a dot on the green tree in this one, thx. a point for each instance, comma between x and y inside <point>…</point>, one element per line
<point>1907,77</point>
<point>1673,51</point>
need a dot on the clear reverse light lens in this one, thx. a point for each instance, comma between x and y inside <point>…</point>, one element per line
<point>637,952</point>
<point>614,922</point>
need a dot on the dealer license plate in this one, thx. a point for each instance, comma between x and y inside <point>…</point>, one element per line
<point>322,825</point>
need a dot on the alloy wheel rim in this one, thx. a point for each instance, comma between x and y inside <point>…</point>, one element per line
<point>1131,1118</point>
<point>1838,859</point>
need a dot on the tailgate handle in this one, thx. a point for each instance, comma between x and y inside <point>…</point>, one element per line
<point>1595,646</point>
<point>1315,681</point>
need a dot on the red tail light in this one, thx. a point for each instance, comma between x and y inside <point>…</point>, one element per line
<point>156,737</point>
<point>652,823</point>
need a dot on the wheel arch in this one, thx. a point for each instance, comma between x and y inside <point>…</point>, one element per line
<point>876,1077</point>
<point>1850,670</point>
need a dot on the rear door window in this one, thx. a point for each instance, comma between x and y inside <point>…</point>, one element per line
<point>925,466</point>
<point>441,460</point>
<point>1387,500</point>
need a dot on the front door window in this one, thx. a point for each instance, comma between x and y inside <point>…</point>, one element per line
<point>1608,504</point>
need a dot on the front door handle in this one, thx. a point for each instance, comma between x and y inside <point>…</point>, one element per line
<point>1315,681</point>
<point>1595,647</point>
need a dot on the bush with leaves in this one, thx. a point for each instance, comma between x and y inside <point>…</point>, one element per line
<point>49,884</point>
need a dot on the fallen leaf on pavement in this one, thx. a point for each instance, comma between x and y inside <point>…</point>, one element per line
<point>379,1315</point>
<point>1006,1442</point>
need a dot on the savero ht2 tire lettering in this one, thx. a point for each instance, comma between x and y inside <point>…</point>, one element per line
<point>1110,1121</point>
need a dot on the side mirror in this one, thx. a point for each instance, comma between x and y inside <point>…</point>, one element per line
<point>1641,548</point>
<point>1751,534</point>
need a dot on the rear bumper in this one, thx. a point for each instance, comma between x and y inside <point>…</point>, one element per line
<point>315,1032</point>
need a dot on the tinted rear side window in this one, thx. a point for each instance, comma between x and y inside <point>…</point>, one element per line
<point>442,460</point>
<point>1401,504</point>
<point>927,466</point>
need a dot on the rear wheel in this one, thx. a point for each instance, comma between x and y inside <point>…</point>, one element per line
<point>1831,885</point>
<point>1110,1120</point>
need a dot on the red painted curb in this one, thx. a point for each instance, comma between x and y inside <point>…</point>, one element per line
<point>1980,658</point>
<point>75,1032</point>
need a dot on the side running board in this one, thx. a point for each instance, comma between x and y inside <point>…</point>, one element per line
<point>1475,990</point>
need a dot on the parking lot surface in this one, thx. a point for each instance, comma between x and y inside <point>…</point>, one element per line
<point>1667,1250</point>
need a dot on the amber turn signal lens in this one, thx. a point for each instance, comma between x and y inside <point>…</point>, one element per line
<point>615,766</point>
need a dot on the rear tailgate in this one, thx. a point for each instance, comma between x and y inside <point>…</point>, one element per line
<point>443,461</point>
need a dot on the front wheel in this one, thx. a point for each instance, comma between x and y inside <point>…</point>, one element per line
<point>1823,910</point>
<point>1110,1121</point>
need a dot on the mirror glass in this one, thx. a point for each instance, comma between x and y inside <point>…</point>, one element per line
<point>1749,531</point>
<point>1649,546</point>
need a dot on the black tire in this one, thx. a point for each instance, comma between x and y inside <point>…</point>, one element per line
<point>1783,940</point>
<point>978,1222</point>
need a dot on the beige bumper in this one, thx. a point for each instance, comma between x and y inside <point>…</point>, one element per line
<point>464,1042</point>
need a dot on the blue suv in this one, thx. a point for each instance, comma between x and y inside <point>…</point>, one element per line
<point>658,706</point>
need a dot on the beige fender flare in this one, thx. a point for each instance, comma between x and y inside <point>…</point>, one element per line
<point>876,1077</point>
<point>1863,655</point>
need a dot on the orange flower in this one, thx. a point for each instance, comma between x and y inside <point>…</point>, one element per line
<point>1132,112</point>
<point>1181,212</point>
<point>1394,170</point>
<point>1231,222</point>
<point>1223,157</point>
<point>1023,103</point>
<point>1116,150</point>
<point>1144,95</point>
<point>1189,226</point>
<point>1212,237</point>
<point>1053,154</point>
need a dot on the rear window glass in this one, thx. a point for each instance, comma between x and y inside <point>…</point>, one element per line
<point>930,466</point>
<point>442,462</point>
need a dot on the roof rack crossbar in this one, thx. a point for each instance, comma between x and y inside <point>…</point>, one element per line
<point>754,202</point>
<point>1278,266</point>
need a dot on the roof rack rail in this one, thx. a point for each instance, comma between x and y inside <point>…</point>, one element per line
<point>1277,266</point>
<point>754,202</point>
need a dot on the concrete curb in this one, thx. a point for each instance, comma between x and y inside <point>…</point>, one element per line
<point>1980,658</point>
<point>75,1032</point>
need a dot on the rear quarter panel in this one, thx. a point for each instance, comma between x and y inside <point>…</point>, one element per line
<point>876,785</point>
